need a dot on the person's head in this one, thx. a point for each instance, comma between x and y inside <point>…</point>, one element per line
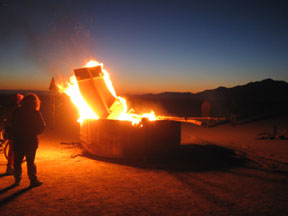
<point>31,101</point>
<point>19,98</point>
<point>15,100</point>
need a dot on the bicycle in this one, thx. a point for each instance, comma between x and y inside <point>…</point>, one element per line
<point>4,147</point>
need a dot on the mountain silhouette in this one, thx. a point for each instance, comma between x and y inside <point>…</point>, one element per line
<point>255,98</point>
<point>266,97</point>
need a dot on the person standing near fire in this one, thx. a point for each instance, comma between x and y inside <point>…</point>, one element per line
<point>8,130</point>
<point>27,124</point>
<point>205,109</point>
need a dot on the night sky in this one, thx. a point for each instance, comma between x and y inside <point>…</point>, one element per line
<point>147,46</point>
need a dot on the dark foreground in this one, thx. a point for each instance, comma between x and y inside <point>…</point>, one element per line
<point>196,180</point>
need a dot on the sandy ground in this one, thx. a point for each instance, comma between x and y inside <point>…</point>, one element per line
<point>243,138</point>
<point>205,178</point>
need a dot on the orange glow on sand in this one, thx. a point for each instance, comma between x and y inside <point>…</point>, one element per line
<point>118,110</point>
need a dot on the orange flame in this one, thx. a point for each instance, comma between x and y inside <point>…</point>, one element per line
<point>118,110</point>
<point>73,92</point>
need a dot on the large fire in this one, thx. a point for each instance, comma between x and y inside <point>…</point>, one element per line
<point>118,110</point>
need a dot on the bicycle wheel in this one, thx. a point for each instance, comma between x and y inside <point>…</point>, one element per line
<point>6,150</point>
<point>2,134</point>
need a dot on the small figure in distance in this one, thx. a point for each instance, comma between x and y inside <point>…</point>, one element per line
<point>27,124</point>
<point>206,109</point>
<point>274,133</point>
<point>233,112</point>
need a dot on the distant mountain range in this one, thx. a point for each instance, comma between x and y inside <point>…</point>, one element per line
<point>255,98</point>
<point>261,97</point>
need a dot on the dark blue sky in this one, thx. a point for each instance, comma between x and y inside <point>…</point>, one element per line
<point>147,46</point>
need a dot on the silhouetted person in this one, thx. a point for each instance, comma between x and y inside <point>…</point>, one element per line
<point>233,112</point>
<point>274,133</point>
<point>8,130</point>
<point>27,125</point>
<point>205,109</point>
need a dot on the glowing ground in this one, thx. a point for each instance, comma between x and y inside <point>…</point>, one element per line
<point>200,180</point>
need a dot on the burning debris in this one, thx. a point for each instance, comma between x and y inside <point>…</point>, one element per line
<point>108,128</point>
<point>93,94</point>
<point>93,88</point>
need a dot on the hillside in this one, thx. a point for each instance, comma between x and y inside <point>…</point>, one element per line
<point>255,98</point>
<point>266,97</point>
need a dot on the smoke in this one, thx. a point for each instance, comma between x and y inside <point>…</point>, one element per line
<point>50,35</point>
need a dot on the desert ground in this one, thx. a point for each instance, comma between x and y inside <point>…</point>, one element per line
<point>222,170</point>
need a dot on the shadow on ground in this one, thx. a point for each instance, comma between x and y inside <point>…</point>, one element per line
<point>189,157</point>
<point>12,196</point>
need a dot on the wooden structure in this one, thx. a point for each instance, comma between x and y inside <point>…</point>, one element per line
<point>119,139</point>
<point>93,88</point>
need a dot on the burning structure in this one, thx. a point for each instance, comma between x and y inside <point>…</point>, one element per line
<point>93,88</point>
<point>108,128</point>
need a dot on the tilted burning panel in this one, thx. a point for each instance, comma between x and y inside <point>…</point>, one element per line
<point>93,88</point>
<point>119,139</point>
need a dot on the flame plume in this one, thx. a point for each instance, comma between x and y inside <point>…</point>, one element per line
<point>118,110</point>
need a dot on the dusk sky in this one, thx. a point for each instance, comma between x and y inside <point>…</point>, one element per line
<point>146,46</point>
